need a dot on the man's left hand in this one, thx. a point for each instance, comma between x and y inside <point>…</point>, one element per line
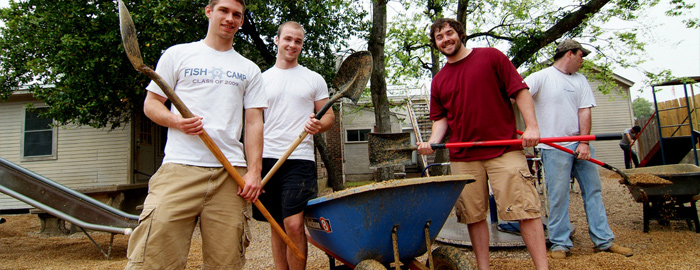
<point>313,126</point>
<point>531,137</point>
<point>584,151</point>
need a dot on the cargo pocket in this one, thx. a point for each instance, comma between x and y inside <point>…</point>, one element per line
<point>139,238</point>
<point>246,235</point>
<point>529,197</point>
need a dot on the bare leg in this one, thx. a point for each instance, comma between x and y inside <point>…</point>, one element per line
<point>294,226</point>
<point>479,234</point>
<point>279,251</point>
<point>533,235</point>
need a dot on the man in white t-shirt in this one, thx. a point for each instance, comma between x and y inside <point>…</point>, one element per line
<point>563,101</point>
<point>217,84</point>
<point>294,93</point>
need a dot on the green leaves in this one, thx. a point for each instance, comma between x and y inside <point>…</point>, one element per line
<point>76,47</point>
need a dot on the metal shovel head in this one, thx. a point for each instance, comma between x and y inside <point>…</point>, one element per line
<point>389,149</point>
<point>128,31</point>
<point>353,75</point>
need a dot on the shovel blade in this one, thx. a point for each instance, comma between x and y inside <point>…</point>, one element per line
<point>128,31</point>
<point>389,149</point>
<point>353,75</point>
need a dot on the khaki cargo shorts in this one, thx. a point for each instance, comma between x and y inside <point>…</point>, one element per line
<point>511,182</point>
<point>179,196</point>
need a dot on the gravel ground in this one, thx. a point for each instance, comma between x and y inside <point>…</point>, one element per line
<point>670,246</point>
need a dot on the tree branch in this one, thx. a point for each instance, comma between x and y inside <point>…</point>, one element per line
<point>541,39</point>
<point>251,31</point>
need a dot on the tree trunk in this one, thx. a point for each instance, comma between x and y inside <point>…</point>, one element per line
<point>377,39</point>
<point>335,174</point>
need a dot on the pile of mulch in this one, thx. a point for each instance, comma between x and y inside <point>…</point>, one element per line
<point>671,246</point>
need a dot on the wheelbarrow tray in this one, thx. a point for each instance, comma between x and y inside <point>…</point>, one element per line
<point>685,178</point>
<point>356,224</point>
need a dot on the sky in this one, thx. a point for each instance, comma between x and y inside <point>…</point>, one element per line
<point>672,47</point>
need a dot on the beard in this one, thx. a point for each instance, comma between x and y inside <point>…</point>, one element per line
<point>457,46</point>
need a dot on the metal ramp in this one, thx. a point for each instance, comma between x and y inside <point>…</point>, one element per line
<point>64,203</point>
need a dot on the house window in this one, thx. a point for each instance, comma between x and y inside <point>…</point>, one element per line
<point>39,139</point>
<point>356,135</point>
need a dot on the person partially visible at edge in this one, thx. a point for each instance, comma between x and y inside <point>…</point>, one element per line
<point>218,85</point>
<point>470,97</point>
<point>563,101</point>
<point>628,136</point>
<point>295,93</point>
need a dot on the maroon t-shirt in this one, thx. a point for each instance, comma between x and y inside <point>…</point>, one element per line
<point>474,95</point>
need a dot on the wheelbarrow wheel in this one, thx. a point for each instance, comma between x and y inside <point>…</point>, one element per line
<point>451,258</point>
<point>369,265</point>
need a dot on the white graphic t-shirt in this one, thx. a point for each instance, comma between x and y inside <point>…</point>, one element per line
<point>216,86</point>
<point>291,95</point>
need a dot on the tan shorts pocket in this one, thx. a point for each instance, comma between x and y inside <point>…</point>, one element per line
<point>246,236</point>
<point>139,238</point>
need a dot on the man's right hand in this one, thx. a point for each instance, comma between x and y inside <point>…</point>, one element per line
<point>425,149</point>
<point>190,126</point>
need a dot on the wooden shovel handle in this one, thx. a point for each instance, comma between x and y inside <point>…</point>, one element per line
<point>300,138</point>
<point>283,158</point>
<point>185,112</point>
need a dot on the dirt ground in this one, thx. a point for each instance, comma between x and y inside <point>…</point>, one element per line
<point>671,246</point>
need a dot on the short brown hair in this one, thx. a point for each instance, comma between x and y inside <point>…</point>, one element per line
<point>440,23</point>
<point>213,3</point>
<point>292,24</point>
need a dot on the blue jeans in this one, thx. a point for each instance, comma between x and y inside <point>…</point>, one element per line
<point>559,167</point>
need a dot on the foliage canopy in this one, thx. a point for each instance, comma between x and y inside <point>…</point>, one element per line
<point>75,46</point>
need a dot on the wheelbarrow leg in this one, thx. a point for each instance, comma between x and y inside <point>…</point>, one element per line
<point>397,263</point>
<point>428,245</point>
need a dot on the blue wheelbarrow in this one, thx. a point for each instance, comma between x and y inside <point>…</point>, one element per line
<point>387,224</point>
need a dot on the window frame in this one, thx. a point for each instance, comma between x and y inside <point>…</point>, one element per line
<point>54,139</point>
<point>358,130</point>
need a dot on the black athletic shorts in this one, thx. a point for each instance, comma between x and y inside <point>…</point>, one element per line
<point>289,189</point>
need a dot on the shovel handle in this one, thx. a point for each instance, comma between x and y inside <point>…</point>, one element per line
<point>608,136</point>
<point>593,160</point>
<point>283,158</point>
<point>185,112</point>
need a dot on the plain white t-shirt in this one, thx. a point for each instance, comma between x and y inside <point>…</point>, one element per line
<point>291,95</point>
<point>216,86</point>
<point>557,98</point>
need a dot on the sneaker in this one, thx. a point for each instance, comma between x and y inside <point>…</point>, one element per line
<point>558,254</point>
<point>615,248</point>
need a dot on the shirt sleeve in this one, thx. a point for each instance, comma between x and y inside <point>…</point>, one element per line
<point>164,68</point>
<point>321,88</point>
<point>255,96</point>
<point>587,98</point>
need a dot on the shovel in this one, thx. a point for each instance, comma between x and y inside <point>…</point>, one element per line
<point>131,46</point>
<point>351,80</point>
<point>647,180</point>
<point>388,149</point>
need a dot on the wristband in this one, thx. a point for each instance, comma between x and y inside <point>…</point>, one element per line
<point>584,142</point>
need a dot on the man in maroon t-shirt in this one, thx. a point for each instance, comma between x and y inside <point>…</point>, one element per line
<point>471,97</point>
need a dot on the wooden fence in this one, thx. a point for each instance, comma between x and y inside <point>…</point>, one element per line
<point>673,115</point>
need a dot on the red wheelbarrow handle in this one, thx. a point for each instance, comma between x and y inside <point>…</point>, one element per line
<point>607,136</point>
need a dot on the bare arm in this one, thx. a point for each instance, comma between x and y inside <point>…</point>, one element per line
<point>526,105</point>
<point>253,150</point>
<point>314,125</point>
<point>154,108</point>
<point>584,125</point>
<point>438,133</point>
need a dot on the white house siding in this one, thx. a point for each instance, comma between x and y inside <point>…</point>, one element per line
<point>356,153</point>
<point>85,156</point>
<point>612,115</point>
